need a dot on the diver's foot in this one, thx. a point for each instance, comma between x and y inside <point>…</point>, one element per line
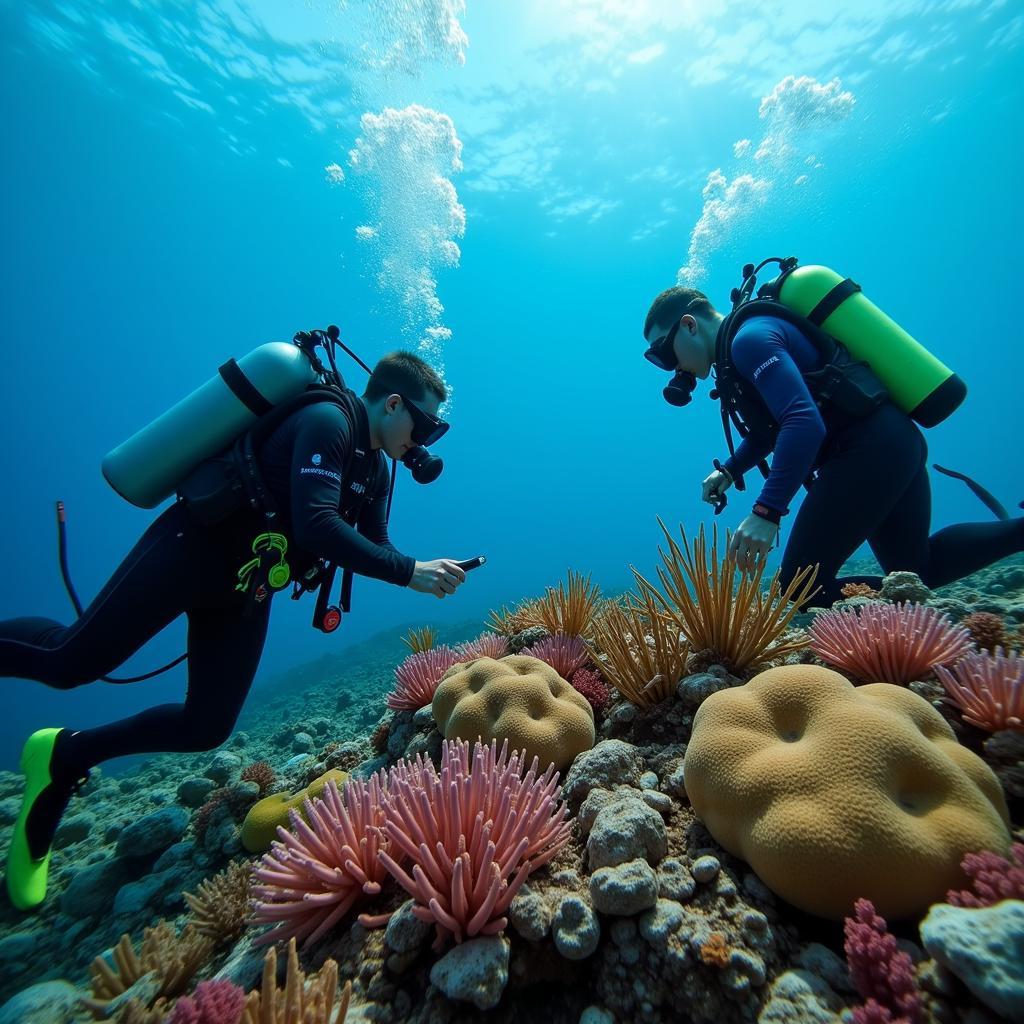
<point>50,781</point>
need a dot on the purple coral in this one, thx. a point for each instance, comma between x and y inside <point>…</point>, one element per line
<point>883,974</point>
<point>563,652</point>
<point>213,1002</point>
<point>590,684</point>
<point>989,690</point>
<point>994,878</point>
<point>417,677</point>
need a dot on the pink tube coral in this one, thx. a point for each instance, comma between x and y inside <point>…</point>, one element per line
<point>882,972</point>
<point>468,829</point>
<point>487,645</point>
<point>988,689</point>
<point>417,677</point>
<point>317,873</point>
<point>886,643</point>
<point>564,653</point>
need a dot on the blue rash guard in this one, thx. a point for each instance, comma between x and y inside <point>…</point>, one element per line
<point>771,353</point>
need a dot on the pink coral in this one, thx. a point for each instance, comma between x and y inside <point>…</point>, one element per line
<point>994,878</point>
<point>882,972</point>
<point>563,652</point>
<point>316,873</point>
<point>467,829</point>
<point>487,645</point>
<point>213,1002</point>
<point>417,677</point>
<point>888,643</point>
<point>988,689</point>
<point>590,684</point>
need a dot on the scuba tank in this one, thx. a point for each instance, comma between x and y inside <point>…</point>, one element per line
<point>917,382</point>
<point>147,467</point>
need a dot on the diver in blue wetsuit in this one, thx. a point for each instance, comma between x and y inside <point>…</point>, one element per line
<point>865,471</point>
<point>325,469</point>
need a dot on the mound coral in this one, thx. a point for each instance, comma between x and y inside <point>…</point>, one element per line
<point>832,792</point>
<point>988,631</point>
<point>884,643</point>
<point>259,829</point>
<point>638,650</point>
<point>989,690</point>
<point>466,829</point>
<point>302,1000</point>
<point>736,623</point>
<point>993,878</point>
<point>220,906</point>
<point>882,972</point>
<point>417,677</point>
<point>565,654</point>
<point>316,873</point>
<point>520,699</point>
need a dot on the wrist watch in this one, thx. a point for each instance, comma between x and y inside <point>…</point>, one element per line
<point>771,514</point>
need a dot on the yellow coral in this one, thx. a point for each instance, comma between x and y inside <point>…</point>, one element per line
<point>520,699</point>
<point>831,792</point>
<point>259,829</point>
<point>300,1001</point>
<point>220,906</point>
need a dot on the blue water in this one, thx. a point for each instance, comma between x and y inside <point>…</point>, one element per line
<point>166,206</point>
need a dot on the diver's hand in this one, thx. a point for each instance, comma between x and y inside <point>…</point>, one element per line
<point>715,484</point>
<point>439,577</point>
<point>752,541</point>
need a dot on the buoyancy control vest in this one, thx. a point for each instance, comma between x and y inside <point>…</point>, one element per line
<point>865,356</point>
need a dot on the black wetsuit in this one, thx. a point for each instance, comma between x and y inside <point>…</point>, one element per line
<point>180,566</point>
<point>871,482</point>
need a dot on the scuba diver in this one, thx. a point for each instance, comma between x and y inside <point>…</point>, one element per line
<point>811,370</point>
<point>309,481</point>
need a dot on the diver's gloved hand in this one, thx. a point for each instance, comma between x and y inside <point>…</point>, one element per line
<point>439,577</point>
<point>715,484</point>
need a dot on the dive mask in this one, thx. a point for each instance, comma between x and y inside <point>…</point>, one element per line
<point>426,429</point>
<point>679,389</point>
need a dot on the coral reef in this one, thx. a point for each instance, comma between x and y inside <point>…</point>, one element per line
<point>220,906</point>
<point>988,689</point>
<point>565,654</point>
<point>261,773</point>
<point>589,683</point>
<point>884,643</point>
<point>520,699</point>
<point>417,677</point>
<point>987,630</point>
<point>993,878</point>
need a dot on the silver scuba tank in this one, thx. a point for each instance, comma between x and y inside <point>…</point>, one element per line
<point>147,467</point>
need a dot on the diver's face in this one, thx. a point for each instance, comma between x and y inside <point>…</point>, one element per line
<point>396,426</point>
<point>687,344</point>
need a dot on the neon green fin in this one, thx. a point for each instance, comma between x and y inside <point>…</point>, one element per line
<point>26,878</point>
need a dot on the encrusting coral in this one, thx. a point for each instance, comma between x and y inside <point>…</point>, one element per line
<point>221,904</point>
<point>316,873</point>
<point>259,829</point>
<point>175,958</point>
<point>466,829</point>
<point>884,643</point>
<point>302,1000</point>
<point>638,650</point>
<point>832,791</point>
<point>519,698</point>
<point>737,623</point>
<point>989,690</point>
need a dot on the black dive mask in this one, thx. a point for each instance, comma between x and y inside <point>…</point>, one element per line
<point>426,468</point>
<point>679,390</point>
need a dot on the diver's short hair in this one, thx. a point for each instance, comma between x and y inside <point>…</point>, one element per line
<point>672,303</point>
<point>404,373</point>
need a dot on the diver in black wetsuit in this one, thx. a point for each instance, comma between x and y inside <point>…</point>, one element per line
<point>182,566</point>
<point>870,483</point>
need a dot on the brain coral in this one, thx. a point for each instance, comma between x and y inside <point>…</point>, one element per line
<point>833,792</point>
<point>520,699</point>
<point>259,829</point>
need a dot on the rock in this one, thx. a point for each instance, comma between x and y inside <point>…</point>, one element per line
<point>18,949</point>
<point>223,766</point>
<point>799,997</point>
<point>302,742</point>
<point>648,781</point>
<point>194,790</point>
<point>624,830</point>
<point>153,833</point>
<point>1004,752</point>
<point>693,690</point>
<point>10,808</point>
<point>424,718</point>
<point>474,972</point>
<point>92,889</point>
<point>405,932</point>
<point>595,1015</point>
<point>674,783</point>
<point>402,733</point>
<point>576,929</point>
<point>674,881</point>
<point>904,586</point>
<point>530,914</point>
<point>661,802</point>
<point>72,830</point>
<point>49,1002</point>
<point>661,921</point>
<point>984,948</point>
<point>704,869</point>
<point>624,890</point>
<point>611,763</point>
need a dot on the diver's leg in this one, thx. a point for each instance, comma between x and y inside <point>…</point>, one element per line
<point>147,591</point>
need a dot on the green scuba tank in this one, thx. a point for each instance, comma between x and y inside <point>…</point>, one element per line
<point>147,467</point>
<point>918,383</point>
